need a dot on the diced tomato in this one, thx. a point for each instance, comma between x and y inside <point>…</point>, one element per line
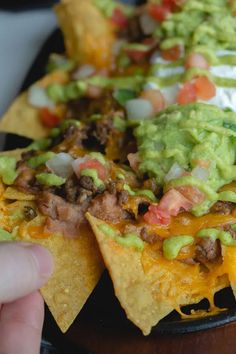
<point>195,60</point>
<point>172,54</point>
<point>95,164</point>
<point>159,12</point>
<point>156,216</point>
<point>171,4</point>
<point>156,98</point>
<point>173,201</point>
<point>170,205</point>
<point>187,94</point>
<point>193,194</point>
<point>205,89</point>
<point>119,18</point>
<point>49,119</point>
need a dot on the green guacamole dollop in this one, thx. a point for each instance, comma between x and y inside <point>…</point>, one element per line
<point>186,135</point>
<point>200,22</point>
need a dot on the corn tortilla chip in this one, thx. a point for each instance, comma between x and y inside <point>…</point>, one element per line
<point>88,35</point>
<point>14,153</point>
<point>78,267</point>
<point>13,194</point>
<point>149,286</point>
<point>22,118</point>
<point>77,262</point>
<point>132,287</point>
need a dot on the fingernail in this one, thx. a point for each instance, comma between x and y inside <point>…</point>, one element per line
<point>43,259</point>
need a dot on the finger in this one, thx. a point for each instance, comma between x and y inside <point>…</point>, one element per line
<point>23,269</point>
<point>21,325</point>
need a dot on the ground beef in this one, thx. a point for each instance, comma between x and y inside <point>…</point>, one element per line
<point>85,107</point>
<point>189,261</point>
<point>78,191</point>
<point>62,217</point>
<point>25,179</point>
<point>29,213</point>
<point>123,197</point>
<point>111,187</point>
<point>208,250</point>
<point>84,195</point>
<point>102,130</point>
<point>150,238</point>
<point>152,185</point>
<point>229,229</point>
<point>70,131</point>
<point>106,207</point>
<point>224,208</point>
<point>133,31</point>
<point>87,183</point>
<point>25,156</point>
<point>72,189</point>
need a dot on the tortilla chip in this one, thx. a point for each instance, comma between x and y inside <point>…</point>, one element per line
<point>132,286</point>
<point>22,118</point>
<point>14,153</point>
<point>14,194</point>
<point>77,262</point>
<point>88,35</point>
<point>78,267</point>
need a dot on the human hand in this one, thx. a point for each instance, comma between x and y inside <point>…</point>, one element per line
<point>24,268</point>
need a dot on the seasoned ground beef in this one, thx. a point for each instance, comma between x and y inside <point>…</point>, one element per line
<point>123,197</point>
<point>87,183</point>
<point>106,207</point>
<point>25,179</point>
<point>72,189</point>
<point>133,31</point>
<point>150,238</point>
<point>29,213</point>
<point>224,208</point>
<point>102,130</point>
<point>208,250</point>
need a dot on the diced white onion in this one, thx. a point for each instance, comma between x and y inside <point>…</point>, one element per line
<point>76,164</point>
<point>138,109</point>
<point>61,164</point>
<point>37,97</point>
<point>200,173</point>
<point>148,24</point>
<point>84,71</point>
<point>175,172</point>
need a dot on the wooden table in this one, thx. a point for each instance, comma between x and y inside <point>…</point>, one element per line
<point>90,340</point>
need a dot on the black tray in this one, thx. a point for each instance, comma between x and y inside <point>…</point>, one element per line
<point>102,308</point>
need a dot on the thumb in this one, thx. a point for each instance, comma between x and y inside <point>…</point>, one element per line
<point>24,268</point>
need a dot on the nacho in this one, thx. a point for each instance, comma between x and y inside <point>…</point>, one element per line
<point>164,213</point>
<point>88,34</point>
<point>45,195</point>
<point>78,265</point>
<point>132,286</point>
<point>22,118</point>
<point>148,285</point>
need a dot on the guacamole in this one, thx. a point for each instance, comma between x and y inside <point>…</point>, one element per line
<point>188,136</point>
<point>207,23</point>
